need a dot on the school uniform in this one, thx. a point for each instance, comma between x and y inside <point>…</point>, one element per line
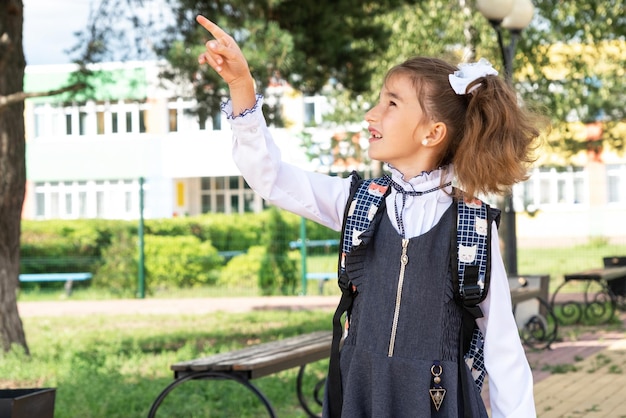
<point>385,375</point>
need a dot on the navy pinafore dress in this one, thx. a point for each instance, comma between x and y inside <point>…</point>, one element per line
<point>395,336</point>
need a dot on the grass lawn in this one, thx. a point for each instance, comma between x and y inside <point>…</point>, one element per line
<point>115,366</point>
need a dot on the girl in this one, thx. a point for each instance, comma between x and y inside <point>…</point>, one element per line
<point>433,123</point>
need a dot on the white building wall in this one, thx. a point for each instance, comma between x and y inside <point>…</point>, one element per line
<point>572,206</point>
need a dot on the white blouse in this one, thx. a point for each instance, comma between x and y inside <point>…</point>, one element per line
<point>322,198</point>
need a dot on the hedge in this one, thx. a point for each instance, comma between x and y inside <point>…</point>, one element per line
<point>180,252</point>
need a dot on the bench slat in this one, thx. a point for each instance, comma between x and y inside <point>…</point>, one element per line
<point>609,273</point>
<point>263,366</point>
<point>523,293</point>
<point>222,360</point>
<point>53,277</point>
<point>265,358</point>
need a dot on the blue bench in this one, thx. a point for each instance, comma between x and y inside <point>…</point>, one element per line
<point>326,243</point>
<point>68,278</point>
<point>323,278</point>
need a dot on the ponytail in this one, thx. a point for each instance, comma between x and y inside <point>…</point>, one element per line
<point>498,140</point>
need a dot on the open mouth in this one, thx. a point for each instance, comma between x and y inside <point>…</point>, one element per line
<point>375,135</point>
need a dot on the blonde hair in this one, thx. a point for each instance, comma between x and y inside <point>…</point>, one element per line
<point>490,137</point>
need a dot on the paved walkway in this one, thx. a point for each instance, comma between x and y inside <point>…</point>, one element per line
<point>581,376</point>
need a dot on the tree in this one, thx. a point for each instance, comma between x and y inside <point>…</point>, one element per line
<point>572,61</point>
<point>305,43</point>
<point>13,165</point>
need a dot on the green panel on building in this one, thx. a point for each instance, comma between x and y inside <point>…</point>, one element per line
<point>114,84</point>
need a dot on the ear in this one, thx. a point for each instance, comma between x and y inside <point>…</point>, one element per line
<point>437,133</point>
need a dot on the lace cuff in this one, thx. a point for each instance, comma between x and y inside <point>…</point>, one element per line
<point>227,108</point>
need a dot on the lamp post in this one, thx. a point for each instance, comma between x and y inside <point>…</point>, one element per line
<point>514,16</point>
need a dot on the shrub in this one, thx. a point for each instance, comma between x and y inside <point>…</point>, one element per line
<point>184,261</point>
<point>118,270</point>
<point>278,272</point>
<point>242,271</point>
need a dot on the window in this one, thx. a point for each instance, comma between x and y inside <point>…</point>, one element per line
<point>129,122</point>
<point>173,120</point>
<point>616,183</point>
<point>100,124</point>
<point>110,199</point>
<point>234,203</point>
<point>142,121</point>
<point>309,114</point>
<point>54,203</point>
<point>40,200</point>
<point>114,127</point>
<point>226,195</point>
<point>68,124</point>
<point>68,208</point>
<point>82,204</point>
<point>82,123</point>
<point>549,186</point>
<point>206,204</point>
<point>39,124</point>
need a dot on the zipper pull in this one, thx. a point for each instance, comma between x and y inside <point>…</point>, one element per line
<point>404,258</point>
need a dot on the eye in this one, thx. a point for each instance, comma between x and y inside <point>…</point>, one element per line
<point>392,103</point>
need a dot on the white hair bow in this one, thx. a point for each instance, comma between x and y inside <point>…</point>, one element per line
<point>469,72</point>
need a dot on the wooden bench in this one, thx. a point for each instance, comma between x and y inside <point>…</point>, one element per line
<point>617,285</point>
<point>68,278</point>
<point>540,329</point>
<point>598,299</point>
<point>254,362</point>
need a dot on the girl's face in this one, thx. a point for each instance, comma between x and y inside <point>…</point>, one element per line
<point>397,127</point>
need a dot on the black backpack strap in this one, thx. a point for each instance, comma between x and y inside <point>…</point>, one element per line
<point>333,381</point>
<point>470,265</point>
<point>366,199</point>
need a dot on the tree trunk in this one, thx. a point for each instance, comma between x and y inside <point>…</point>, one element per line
<point>12,170</point>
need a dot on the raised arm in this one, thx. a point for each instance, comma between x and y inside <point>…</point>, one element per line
<point>225,57</point>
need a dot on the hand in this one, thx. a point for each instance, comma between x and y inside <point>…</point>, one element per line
<point>224,55</point>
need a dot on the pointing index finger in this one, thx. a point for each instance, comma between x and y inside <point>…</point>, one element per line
<point>215,30</point>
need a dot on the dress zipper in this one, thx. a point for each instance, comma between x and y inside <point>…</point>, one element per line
<point>404,259</point>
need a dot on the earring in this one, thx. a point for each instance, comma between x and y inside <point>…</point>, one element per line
<point>424,142</point>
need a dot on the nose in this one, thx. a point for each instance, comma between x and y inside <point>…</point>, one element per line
<point>370,115</point>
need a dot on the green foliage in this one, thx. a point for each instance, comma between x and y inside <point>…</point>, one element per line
<point>575,54</point>
<point>66,246</point>
<point>278,271</point>
<point>242,271</point>
<point>184,261</point>
<point>118,270</point>
<point>180,252</point>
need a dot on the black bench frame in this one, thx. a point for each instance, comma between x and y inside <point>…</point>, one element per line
<point>256,361</point>
<point>541,329</point>
<point>601,295</point>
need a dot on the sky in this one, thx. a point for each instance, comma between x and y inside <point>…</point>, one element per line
<point>49,27</point>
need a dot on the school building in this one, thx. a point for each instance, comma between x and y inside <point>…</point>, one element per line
<point>88,157</point>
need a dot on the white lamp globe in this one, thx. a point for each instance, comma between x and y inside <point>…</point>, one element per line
<point>495,9</point>
<point>520,16</point>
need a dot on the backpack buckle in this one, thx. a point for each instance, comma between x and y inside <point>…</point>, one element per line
<point>470,290</point>
<point>344,283</point>
<point>471,294</point>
